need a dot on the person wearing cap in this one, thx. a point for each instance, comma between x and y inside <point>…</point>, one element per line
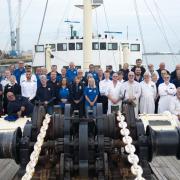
<point>18,106</point>
<point>71,72</point>
<point>19,71</point>
<point>103,87</point>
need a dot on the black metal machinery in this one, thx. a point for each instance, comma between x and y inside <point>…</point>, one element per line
<point>87,148</point>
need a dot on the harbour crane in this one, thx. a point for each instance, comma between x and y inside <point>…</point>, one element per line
<point>15,36</point>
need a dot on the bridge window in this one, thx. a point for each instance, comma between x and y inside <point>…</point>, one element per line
<point>112,46</point>
<point>79,46</point>
<point>135,47</point>
<point>71,46</point>
<point>39,48</point>
<point>95,46</point>
<point>103,46</point>
<point>62,47</point>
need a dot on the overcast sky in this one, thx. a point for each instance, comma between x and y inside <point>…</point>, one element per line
<point>120,14</point>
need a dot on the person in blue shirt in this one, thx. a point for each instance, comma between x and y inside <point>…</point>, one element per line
<point>38,74</point>
<point>71,72</point>
<point>54,69</point>
<point>93,72</point>
<point>91,95</point>
<point>63,93</point>
<point>18,72</point>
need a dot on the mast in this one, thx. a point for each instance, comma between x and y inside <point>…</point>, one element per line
<point>12,33</point>
<point>87,6</point>
<point>18,28</point>
<point>87,34</point>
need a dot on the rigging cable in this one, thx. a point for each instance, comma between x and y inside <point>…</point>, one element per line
<point>167,23</point>
<point>140,30</point>
<point>160,28</point>
<point>107,23</point>
<point>26,9</point>
<point>44,15</point>
<point>161,22</point>
<point>62,18</point>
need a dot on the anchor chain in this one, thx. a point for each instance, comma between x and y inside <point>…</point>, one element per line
<point>130,148</point>
<point>30,168</point>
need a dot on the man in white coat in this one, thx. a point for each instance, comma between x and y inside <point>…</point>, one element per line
<point>131,91</point>
<point>175,104</point>
<point>114,100</point>
<point>148,95</point>
<point>166,91</point>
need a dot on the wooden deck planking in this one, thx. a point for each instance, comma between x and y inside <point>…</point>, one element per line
<point>166,168</point>
<point>8,169</point>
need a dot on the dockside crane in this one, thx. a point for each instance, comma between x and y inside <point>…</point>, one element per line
<point>15,36</point>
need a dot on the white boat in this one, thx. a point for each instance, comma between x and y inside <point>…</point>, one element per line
<point>105,51</point>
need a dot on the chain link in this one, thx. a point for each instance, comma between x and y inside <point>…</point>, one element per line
<point>30,168</point>
<point>130,148</point>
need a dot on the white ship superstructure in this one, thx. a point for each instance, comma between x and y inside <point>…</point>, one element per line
<point>105,51</point>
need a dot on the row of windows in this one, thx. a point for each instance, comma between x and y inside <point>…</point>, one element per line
<point>79,46</point>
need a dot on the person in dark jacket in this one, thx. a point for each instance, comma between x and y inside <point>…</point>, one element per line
<point>125,71</point>
<point>54,83</point>
<point>14,87</point>
<point>174,73</point>
<point>45,94</point>
<point>176,81</point>
<point>1,93</point>
<point>77,96</point>
<point>139,64</point>
<point>18,106</point>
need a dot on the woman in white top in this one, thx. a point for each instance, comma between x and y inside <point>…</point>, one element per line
<point>166,91</point>
<point>148,95</point>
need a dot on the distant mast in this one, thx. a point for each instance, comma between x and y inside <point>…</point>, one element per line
<point>18,28</point>
<point>87,6</point>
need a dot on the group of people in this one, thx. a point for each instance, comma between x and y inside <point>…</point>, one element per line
<point>148,90</point>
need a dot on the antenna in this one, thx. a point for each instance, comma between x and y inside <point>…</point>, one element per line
<point>72,27</point>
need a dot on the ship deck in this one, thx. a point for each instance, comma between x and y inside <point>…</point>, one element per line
<point>163,168</point>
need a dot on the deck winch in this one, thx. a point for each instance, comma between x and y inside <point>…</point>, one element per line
<point>88,148</point>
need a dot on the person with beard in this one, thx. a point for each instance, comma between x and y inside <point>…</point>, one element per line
<point>138,76</point>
